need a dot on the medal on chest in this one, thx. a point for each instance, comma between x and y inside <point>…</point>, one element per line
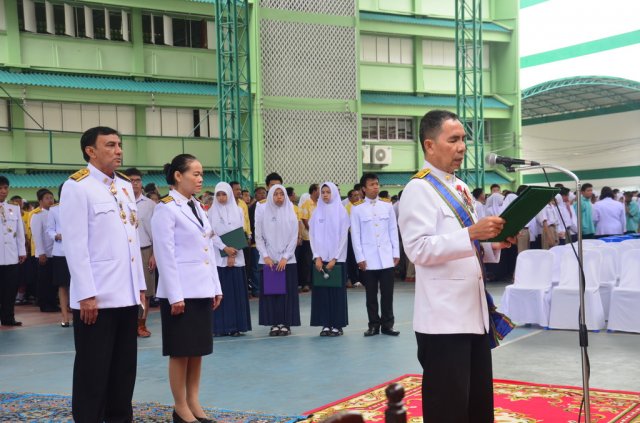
<point>466,198</point>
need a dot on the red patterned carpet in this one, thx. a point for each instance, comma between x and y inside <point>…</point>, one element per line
<point>515,402</point>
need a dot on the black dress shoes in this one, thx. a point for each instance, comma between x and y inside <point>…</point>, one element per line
<point>12,323</point>
<point>178,419</point>
<point>390,332</point>
<point>204,420</point>
<point>372,332</point>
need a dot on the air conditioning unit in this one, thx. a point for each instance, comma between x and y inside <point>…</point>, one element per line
<point>366,154</point>
<point>381,155</point>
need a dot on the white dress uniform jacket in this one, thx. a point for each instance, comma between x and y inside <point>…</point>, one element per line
<point>53,229</point>
<point>11,234</point>
<point>44,244</point>
<point>610,217</point>
<point>101,240</point>
<point>145,212</point>
<point>374,233</point>
<point>183,250</point>
<point>450,296</point>
<point>569,220</point>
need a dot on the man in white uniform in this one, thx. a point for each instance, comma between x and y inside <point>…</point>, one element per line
<point>451,316</point>
<point>12,252</point>
<point>374,234</point>
<point>99,218</point>
<point>43,252</point>
<point>145,207</point>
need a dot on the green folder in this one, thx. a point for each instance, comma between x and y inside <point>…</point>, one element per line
<point>235,239</point>
<point>334,279</point>
<point>523,209</point>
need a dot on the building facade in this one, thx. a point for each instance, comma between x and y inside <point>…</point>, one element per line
<point>338,87</point>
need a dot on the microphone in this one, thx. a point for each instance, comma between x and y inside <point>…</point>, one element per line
<point>492,159</point>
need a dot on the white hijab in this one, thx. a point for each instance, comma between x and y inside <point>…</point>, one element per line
<point>279,223</point>
<point>493,204</point>
<point>329,225</point>
<point>226,217</point>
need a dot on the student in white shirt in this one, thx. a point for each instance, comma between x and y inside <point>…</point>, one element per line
<point>609,215</point>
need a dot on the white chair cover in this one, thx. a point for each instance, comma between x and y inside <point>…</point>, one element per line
<point>608,277</point>
<point>619,247</point>
<point>624,313</point>
<point>565,299</point>
<point>527,299</point>
<point>592,242</point>
<point>558,252</point>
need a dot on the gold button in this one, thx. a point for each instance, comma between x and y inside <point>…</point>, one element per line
<point>130,240</point>
<point>206,262</point>
<point>204,235</point>
<point>132,259</point>
<point>206,248</point>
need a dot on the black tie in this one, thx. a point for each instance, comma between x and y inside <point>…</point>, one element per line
<point>195,212</point>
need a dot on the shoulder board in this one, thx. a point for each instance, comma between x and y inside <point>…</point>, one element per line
<point>386,200</point>
<point>36,210</point>
<point>166,199</point>
<point>357,203</point>
<point>421,174</point>
<point>80,175</point>
<point>123,176</point>
<point>263,201</point>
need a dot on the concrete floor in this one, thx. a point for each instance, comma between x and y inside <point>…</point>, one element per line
<point>297,373</point>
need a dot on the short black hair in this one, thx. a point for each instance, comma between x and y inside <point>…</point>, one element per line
<point>15,198</point>
<point>245,190</point>
<point>60,191</point>
<point>313,188</point>
<point>606,192</point>
<point>232,183</point>
<point>585,187</point>
<point>133,171</point>
<point>357,186</point>
<point>90,136</point>
<point>383,194</point>
<point>431,124</point>
<point>4,181</point>
<point>477,193</point>
<point>42,192</point>
<point>273,177</point>
<point>259,189</point>
<point>564,191</point>
<point>558,185</point>
<point>368,177</point>
<point>290,191</point>
<point>180,163</point>
<point>350,193</point>
<point>150,187</point>
<point>495,186</point>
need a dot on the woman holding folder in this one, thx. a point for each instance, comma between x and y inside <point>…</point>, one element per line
<point>233,317</point>
<point>328,233</point>
<point>276,240</point>
<point>188,288</point>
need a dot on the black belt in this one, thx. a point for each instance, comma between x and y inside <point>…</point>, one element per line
<point>144,248</point>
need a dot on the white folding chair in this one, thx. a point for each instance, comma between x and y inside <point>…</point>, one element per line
<point>624,313</point>
<point>527,299</point>
<point>558,251</point>
<point>619,248</point>
<point>592,242</point>
<point>631,243</point>
<point>565,299</point>
<point>608,277</point>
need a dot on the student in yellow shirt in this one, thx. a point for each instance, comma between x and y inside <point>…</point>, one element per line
<point>304,266</point>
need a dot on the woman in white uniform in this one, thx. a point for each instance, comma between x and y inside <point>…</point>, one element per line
<point>232,318</point>
<point>189,288</point>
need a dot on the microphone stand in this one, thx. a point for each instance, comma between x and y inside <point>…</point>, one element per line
<point>583,334</point>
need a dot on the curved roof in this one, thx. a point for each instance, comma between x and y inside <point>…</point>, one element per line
<point>576,97</point>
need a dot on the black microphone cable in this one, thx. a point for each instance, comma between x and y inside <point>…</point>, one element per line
<point>582,329</point>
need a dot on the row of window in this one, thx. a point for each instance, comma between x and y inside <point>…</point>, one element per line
<point>377,49</point>
<point>387,128</point>
<point>44,17</point>
<point>77,117</point>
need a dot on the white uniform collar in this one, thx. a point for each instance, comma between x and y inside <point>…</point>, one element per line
<point>445,177</point>
<point>99,175</point>
<point>179,198</point>
<point>369,200</point>
<point>141,197</point>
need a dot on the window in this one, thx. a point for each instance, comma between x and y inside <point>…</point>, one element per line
<point>443,53</point>
<point>386,50</point>
<point>173,122</point>
<point>76,117</point>
<point>189,33</point>
<point>3,24</point>
<point>178,31</point>
<point>59,19</point>
<point>5,122</point>
<point>152,29</point>
<point>387,128</point>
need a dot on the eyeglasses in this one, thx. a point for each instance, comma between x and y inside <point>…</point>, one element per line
<point>136,181</point>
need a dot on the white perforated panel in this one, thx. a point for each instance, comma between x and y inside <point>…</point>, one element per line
<point>308,60</point>
<point>307,146</point>
<point>323,7</point>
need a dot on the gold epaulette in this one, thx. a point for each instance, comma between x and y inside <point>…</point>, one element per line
<point>262,201</point>
<point>421,174</point>
<point>166,199</point>
<point>80,175</point>
<point>123,176</point>
<point>357,203</point>
<point>36,211</point>
<point>386,200</point>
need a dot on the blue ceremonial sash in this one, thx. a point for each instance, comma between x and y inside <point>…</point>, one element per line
<point>499,324</point>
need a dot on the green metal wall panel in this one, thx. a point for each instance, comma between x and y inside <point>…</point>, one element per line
<point>377,77</point>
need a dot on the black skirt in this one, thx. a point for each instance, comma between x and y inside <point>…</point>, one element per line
<point>61,276</point>
<point>281,309</point>
<point>189,334</point>
<point>233,314</point>
<point>329,305</point>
